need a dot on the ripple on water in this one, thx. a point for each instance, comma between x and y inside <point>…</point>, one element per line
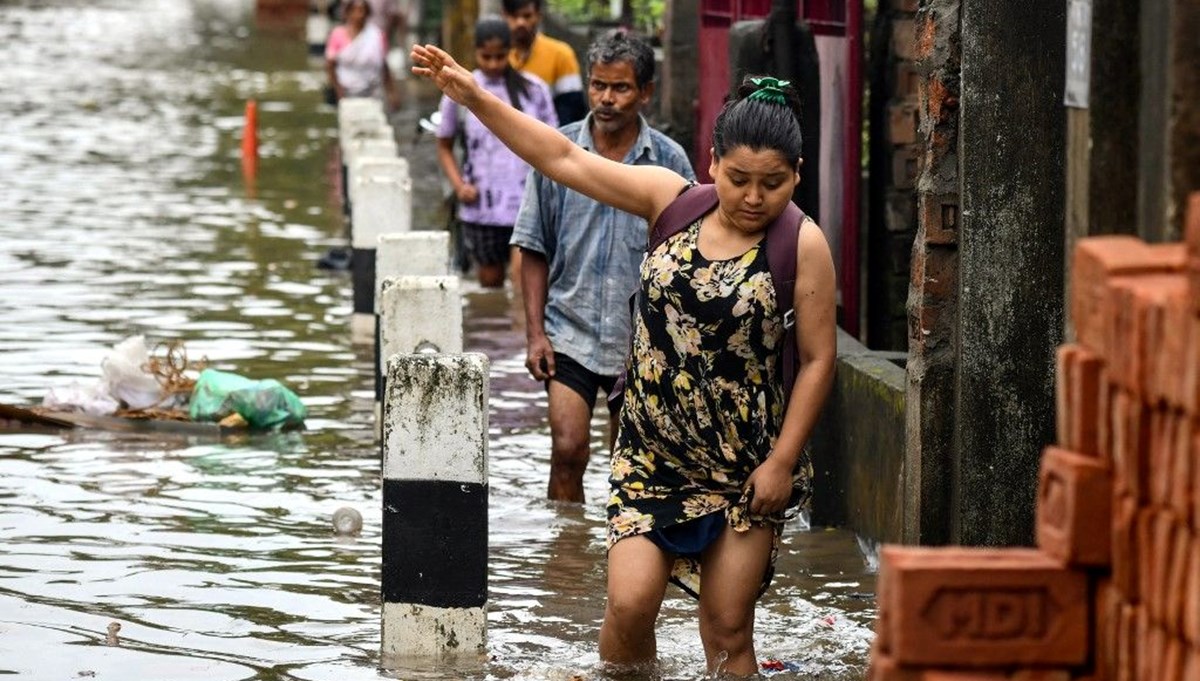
<point>126,213</point>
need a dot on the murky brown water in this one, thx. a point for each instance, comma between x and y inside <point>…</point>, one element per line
<point>122,211</point>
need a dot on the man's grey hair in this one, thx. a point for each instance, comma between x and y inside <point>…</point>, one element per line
<point>621,45</point>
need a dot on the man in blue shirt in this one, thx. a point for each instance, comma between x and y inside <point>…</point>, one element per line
<point>580,258</point>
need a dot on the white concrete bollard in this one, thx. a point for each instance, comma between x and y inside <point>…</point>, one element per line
<point>435,491</point>
<point>384,206</point>
<point>364,146</point>
<point>316,30</point>
<point>359,107</point>
<point>418,314</point>
<point>376,145</point>
<point>365,137</point>
<point>367,165</point>
<point>376,139</point>
<point>360,124</point>
<point>418,254</point>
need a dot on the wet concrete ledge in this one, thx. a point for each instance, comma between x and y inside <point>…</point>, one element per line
<point>858,445</point>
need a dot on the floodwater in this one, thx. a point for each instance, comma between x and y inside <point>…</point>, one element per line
<point>122,212</point>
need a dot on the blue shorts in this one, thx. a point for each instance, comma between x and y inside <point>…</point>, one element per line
<point>689,539</point>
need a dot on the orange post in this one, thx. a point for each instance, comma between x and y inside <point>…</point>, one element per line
<point>250,141</point>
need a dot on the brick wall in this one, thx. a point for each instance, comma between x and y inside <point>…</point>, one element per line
<point>931,170</point>
<point>894,150</point>
<point>1113,590</point>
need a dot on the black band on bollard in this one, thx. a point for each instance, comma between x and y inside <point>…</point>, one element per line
<point>435,543</point>
<point>363,275</point>
<point>380,379</point>
<point>346,208</point>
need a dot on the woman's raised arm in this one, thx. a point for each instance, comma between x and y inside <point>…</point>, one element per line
<point>640,190</point>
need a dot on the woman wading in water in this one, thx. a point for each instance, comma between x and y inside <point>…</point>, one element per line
<point>356,57</point>
<point>710,452</point>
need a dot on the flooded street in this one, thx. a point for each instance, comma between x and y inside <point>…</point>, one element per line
<point>123,212</point>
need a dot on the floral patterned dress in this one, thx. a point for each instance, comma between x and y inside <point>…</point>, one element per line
<point>703,397</point>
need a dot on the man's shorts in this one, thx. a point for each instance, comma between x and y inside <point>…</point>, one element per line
<point>486,244</point>
<point>584,381</point>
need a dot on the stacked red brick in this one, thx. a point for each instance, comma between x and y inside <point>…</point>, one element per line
<point>1113,590</point>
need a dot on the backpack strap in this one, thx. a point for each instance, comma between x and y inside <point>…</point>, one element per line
<point>692,203</point>
<point>782,236</point>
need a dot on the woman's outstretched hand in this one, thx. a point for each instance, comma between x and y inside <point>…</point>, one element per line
<point>433,63</point>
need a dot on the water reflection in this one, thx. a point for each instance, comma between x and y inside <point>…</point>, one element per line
<point>123,211</point>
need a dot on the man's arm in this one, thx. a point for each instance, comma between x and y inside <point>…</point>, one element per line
<point>535,277</point>
<point>533,234</point>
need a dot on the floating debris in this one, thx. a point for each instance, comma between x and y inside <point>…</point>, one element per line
<point>112,639</point>
<point>347,522</point>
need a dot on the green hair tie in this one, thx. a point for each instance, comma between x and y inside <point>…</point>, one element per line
<point>770,90</point>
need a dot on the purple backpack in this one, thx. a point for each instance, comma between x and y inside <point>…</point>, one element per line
<point>697,200</point>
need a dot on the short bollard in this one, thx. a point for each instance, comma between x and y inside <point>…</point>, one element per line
<point>359,107</point>
<point>378,143</point>
<point>420,312</point>
<point>356,122</point>
<point>435,492</point>
<point>384,206</point>
<point>361,128</point>
<point>354,149</point>
<point>418,254</point>
<point>365,165</point>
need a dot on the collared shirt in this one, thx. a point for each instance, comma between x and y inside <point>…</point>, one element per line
<point>496,172</point>
<point>593,251</point>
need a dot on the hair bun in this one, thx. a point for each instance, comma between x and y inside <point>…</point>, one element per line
<point>769,89</point>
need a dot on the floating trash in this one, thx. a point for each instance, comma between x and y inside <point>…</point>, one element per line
<point>112,639</point>
<point>347,522</point>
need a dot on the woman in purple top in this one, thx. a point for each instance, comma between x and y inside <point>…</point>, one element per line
<point>490,181</point>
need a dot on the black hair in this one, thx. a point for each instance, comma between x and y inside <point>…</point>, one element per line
<point>514,6</point>
<point>621,45</point>
<point>495,28</point>
<point>346,7</point>
<point>760,123</point>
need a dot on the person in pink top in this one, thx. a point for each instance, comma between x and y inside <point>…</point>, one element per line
<point>356,57</point>
<point>490,182</point>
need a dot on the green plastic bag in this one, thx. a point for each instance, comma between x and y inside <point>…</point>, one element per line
<point>264,404</point>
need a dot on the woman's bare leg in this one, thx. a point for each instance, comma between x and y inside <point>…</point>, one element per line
<point>731,574</point>
<point>637,579</point>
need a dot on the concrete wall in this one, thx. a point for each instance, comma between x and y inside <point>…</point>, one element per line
<point>679,82</point>
<point>1011,155</point>
<point>858,445</point>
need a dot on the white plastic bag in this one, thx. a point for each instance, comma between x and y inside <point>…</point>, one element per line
<point>93,400</point>
<point>126,378</point>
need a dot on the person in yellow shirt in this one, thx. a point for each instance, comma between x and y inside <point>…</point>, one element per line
<point>547,58</point>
